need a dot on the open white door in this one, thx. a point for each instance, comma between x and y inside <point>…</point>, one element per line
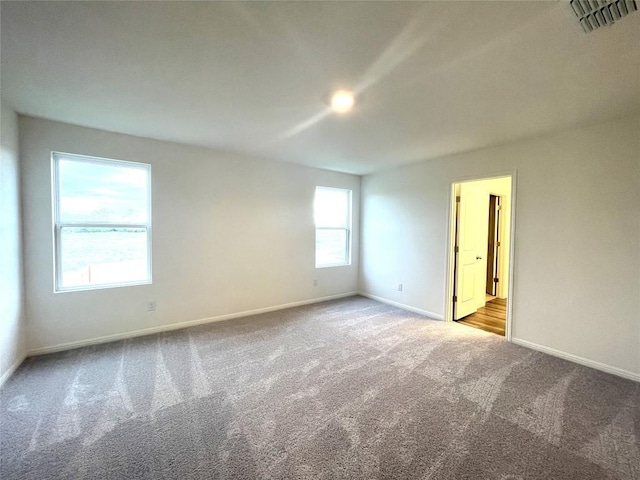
<point>467,256</point>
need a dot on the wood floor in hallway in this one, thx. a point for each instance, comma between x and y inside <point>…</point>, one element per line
<point>490,318</point>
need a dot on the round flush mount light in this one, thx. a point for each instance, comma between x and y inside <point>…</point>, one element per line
<point>342,101</point>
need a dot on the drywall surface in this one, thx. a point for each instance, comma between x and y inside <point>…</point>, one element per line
<point>230,234</point>
<point>577,237</point>
<point>12,323</point>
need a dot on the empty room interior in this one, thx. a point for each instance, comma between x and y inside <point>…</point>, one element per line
<point>320,240</point>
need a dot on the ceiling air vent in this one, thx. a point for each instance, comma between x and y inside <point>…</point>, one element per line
<point>594,14</point>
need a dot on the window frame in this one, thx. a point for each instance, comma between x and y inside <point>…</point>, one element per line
<point>347,229</point>
<point>57,225</point>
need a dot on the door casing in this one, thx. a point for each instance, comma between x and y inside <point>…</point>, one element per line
<point>493,245</point>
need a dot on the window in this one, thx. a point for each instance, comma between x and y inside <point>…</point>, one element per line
<point>102,222</point>
<point>332,212</point>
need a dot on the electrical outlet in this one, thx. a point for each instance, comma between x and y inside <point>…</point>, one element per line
<point>315,282</point>
<point>399,287</point>
<point>151,306</point>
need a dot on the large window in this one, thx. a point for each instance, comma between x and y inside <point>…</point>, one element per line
<point>332,213</point>
<point>102,222</point>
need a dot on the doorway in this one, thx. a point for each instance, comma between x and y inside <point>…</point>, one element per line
<point>493,245</point>
<point>480,260</point>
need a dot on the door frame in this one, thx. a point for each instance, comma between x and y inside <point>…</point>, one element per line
<point>451,228</point>
<point>493,238</point>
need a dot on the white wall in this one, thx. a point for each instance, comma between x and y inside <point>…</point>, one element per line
<point>577,238</point>
<point>230,234</point>
<point>12,322</point>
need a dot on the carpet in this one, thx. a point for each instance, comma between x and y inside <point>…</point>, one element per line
<point>347,389</point>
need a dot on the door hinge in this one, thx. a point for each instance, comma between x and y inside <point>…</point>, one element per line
<point>499,207</point>
<point>457,249</point>
<point>455,299</point>
<point>496,280</point>
<point>457,198</point>
<point>497,244</point>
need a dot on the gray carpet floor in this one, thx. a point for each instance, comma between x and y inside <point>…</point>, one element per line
<point>348,389</point>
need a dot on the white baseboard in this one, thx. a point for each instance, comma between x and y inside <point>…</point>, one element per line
<point>577,359</point>
<point>177,326</point>
<point>5,376</point>
<point>419,311</point>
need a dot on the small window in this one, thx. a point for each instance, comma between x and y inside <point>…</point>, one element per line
<point>332,213</point>
<point>102,222</point>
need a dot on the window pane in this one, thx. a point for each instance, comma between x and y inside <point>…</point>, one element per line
<point>95,256</point>
<point>331,207</point>
<point>331,247</point>
<point>102,192</point>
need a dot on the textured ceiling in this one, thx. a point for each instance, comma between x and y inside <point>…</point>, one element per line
<point>433,78</point>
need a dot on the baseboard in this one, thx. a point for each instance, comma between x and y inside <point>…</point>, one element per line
<point>6,375</point>
<point>426,313</point>
<point>620,372</point>
<point>177,326</point>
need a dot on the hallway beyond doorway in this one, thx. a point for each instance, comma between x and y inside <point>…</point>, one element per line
<point>480,253</point>
<point>490,318</point>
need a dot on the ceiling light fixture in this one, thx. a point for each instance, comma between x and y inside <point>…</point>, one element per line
<point>342,101</point>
